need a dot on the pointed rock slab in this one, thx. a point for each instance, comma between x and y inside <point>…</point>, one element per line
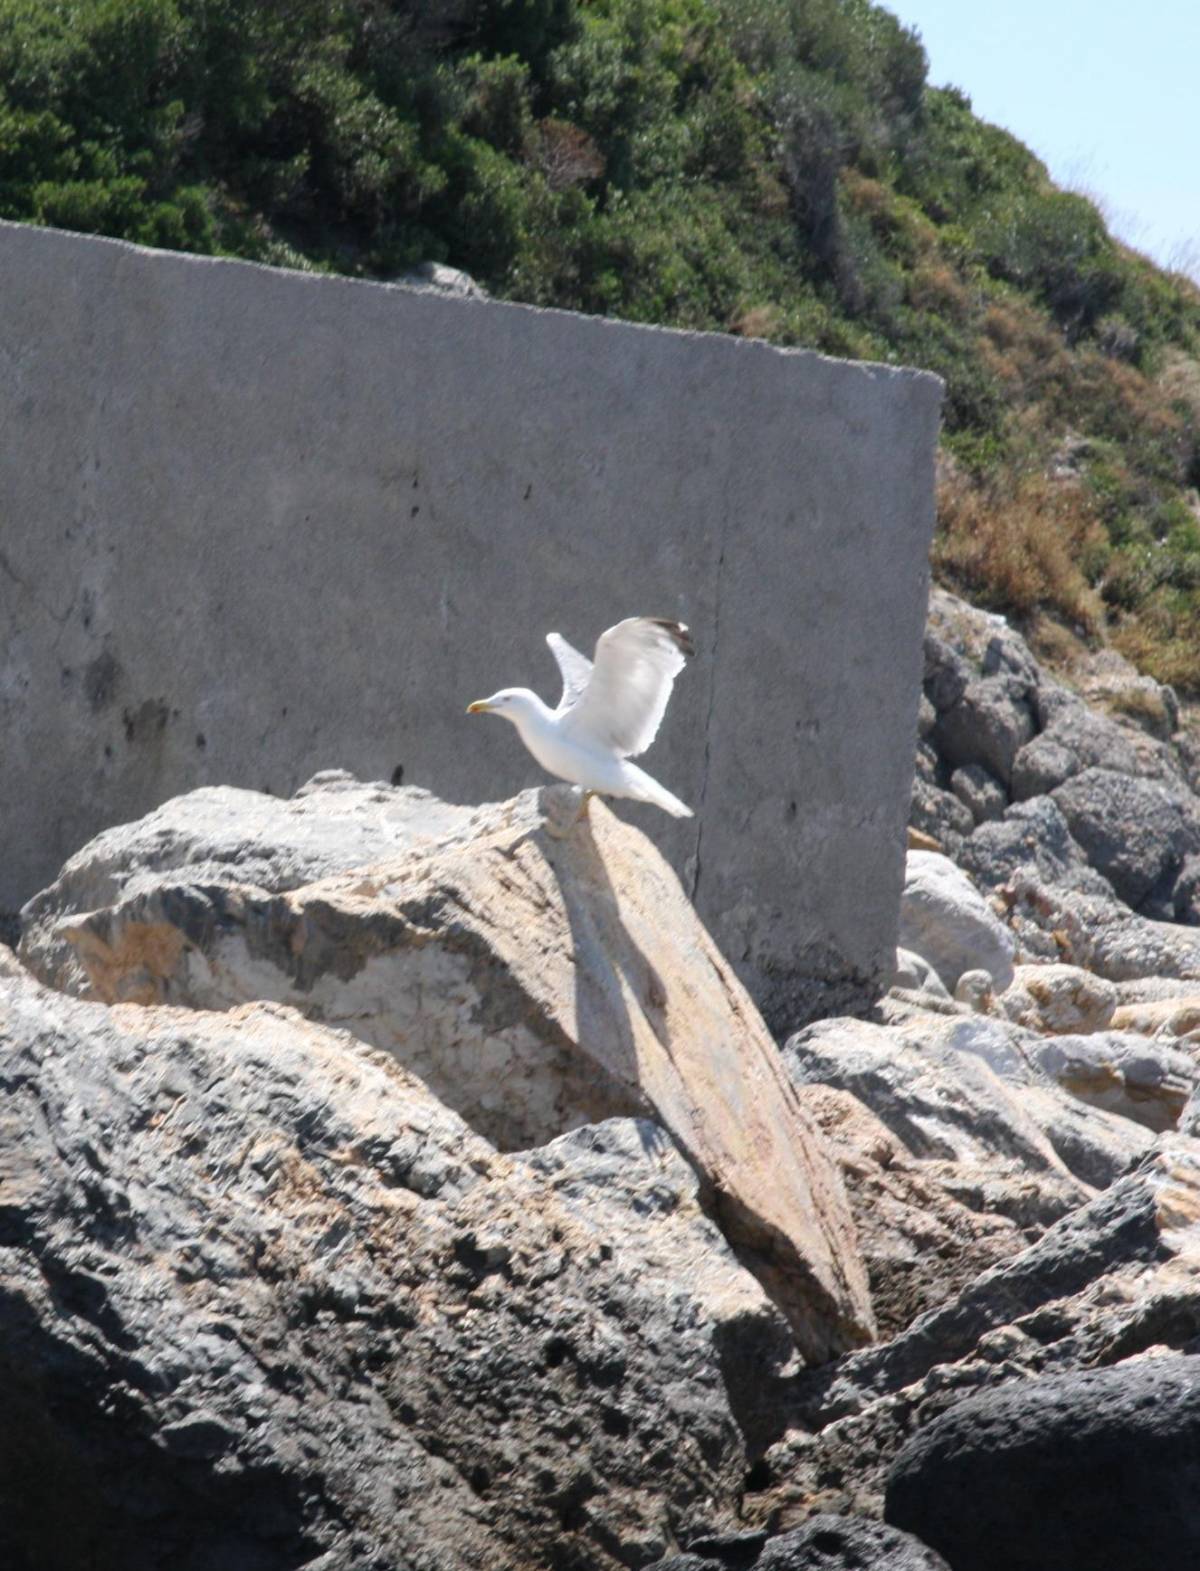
<point>538,974</point>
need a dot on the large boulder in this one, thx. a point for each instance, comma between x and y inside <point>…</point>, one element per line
<point>537,974</point>
<point>1073,738</point>
<point>226,837</point>
<point>945,919</point>
<point>1096,1470</point>
<point>1135,832</point>
<point>267,1300</point>
<point>988,726</point>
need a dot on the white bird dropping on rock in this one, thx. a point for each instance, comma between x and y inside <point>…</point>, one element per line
<point>610,711</point>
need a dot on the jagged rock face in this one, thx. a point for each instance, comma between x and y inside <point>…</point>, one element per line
<point>266,1299</point>
<point>1016,774</point>
<point>537,975</point>
<point>1114,1278</point>
<point>1096,1470</point>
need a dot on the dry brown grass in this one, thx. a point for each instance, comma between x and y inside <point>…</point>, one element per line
<point>756,321</point>
<point>1022,547</point>
<point>936,287</point>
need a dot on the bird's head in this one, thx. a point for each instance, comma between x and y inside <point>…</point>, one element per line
<point>513,703</point>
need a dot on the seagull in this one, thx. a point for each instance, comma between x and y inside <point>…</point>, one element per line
<point>610,710</point>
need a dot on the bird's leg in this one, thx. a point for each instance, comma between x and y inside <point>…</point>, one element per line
<point>583,806</point>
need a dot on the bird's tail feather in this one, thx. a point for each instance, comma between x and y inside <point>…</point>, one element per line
<point>649,790</point>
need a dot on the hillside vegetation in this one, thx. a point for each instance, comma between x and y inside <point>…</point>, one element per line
<point>776,168</point>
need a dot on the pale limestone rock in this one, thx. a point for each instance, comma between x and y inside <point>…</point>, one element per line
<point>538,975</point>
<point>1057,998</point>
<point>1170,1017</point>
<point>944,918</point>
<point>976,990</point>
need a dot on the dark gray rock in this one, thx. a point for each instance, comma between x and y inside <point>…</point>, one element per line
<point>1087,739</point>
<point>1041,764</point>
<point>1136,832</point>
<point>938,813</point>
<point>946,673</point>
<point>267,1301</point>
<point>988,725</point>
<point>1097,1470</point>
<point>980,793</point>
<point>847,1543</point>
<point>1031,836</point>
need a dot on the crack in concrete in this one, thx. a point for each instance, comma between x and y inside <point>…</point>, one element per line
<point>712,699</point>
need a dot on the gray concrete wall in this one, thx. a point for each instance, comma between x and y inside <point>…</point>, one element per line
<point>254,524</point>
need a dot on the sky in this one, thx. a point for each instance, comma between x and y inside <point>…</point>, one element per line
<point>1107,93</point>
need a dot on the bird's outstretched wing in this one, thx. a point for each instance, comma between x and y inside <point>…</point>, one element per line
<point>623,703</point>
<point>576,670</point>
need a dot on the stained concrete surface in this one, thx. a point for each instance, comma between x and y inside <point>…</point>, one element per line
<point>256,523</point>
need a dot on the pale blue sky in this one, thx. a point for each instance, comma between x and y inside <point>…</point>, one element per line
<point>1107,93</point>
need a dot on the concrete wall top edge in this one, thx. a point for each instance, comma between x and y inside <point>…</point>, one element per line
<point>929,383</point>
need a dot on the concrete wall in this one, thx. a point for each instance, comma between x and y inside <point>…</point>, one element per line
<point>254,524</point>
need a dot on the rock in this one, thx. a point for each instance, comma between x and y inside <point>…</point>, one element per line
<point>1098,1147</point>
<point>918,840</point>
<point>843,1543</point>
<point>1145,1081</point>
<point>445,280</point>
<point>537,977</point>
<point>980,793</point>
<point>939,1101</point>
<point>976,990</point>
<point>1100,934</point>
<point>1134,832</point>
<point>1059,998</point>
<point>939,816</point>
<point>266,1300</point>
<point>1074,738</point>
<point>914,974</point>
<point>1040,765</point>
<point>945,919</point>
<point>1167,1017</point>
<point>925,1227</point>
<point>1115,1278</point>
<point>1032,837</point>
<point>946,674</point>
<point>988,725</point>
<point>225,837</point>
<point>1095,1470</point>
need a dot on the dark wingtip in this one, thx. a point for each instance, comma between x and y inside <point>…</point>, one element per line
<point>677,632</point>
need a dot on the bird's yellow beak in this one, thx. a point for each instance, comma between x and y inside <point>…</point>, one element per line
<point>477,708</point>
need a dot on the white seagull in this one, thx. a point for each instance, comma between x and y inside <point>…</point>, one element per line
<point>609,712</point>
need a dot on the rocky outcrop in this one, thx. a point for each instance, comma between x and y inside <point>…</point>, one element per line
<point>1090,1471</point>
<point>536,974</point>
<point>267,1299</point>
<point>1114,1278</point>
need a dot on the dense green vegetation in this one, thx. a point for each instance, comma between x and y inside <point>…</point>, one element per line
<point>778,168</point>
